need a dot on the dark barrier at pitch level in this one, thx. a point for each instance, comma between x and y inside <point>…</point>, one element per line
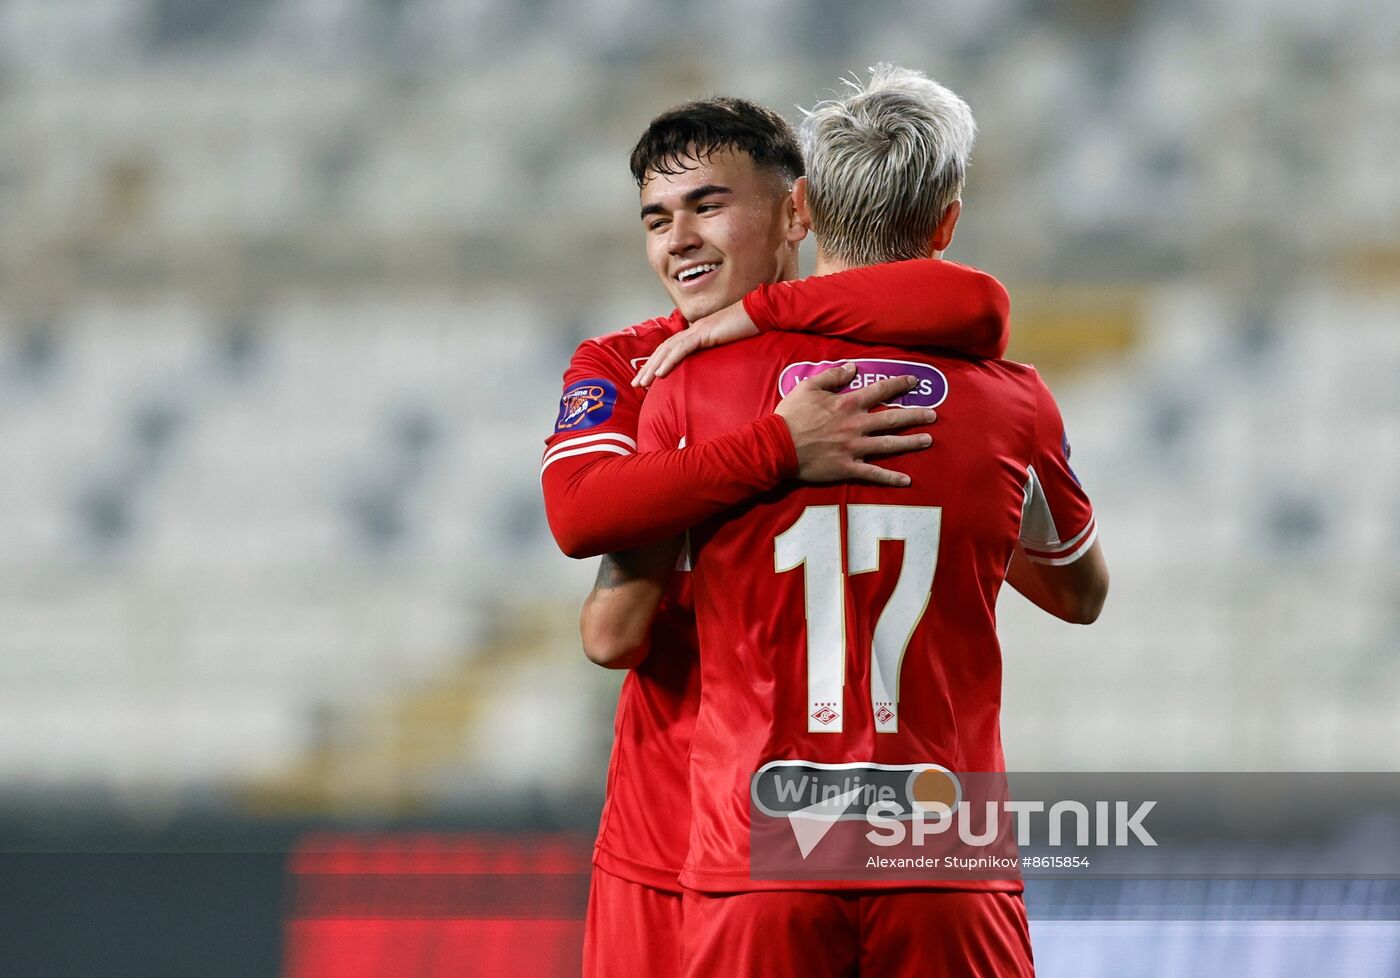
<point>249,899</point>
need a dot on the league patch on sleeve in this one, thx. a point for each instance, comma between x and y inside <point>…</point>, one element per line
<point>1064,447</point>
<point>585,405</point>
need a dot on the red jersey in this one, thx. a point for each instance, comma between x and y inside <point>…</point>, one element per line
<point>602,496</point>
<point>854,623</point>
<point>640,836</point>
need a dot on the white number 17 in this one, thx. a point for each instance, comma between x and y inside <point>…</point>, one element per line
<point>814,544</point>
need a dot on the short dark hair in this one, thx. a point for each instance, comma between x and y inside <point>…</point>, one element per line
<point>695,130</point>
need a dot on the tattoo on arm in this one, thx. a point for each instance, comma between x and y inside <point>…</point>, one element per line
<point>610,574</point>
<point>645,565</point>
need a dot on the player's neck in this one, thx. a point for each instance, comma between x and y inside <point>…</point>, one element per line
<point>827,265</point>
<point>830,265</point>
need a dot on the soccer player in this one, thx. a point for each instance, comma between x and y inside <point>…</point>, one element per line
<point>717,212</point>
<point>851,624</point>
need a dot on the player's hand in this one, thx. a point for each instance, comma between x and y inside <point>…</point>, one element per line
<point>834,433</point>
<point>729,324</point>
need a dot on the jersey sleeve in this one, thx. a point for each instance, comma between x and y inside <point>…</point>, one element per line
<point>599,408</point>
<point>923,302</point>
<point>1057,519</point>
<point>602,495</point>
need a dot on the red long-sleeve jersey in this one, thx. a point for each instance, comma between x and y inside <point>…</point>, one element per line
<point>849,626</point>
<point>602,495</point>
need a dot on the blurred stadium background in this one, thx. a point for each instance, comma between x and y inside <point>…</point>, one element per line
<point>286,288</point>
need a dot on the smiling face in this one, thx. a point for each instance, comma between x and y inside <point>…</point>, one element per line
<point>719,230</point>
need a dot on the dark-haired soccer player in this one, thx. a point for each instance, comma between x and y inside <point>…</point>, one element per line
<point>715,179</point>
<point>854,624</point>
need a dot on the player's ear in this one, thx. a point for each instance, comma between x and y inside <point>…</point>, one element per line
<point>796,227</point>
<point>799,202</point>
<point>943,233</point>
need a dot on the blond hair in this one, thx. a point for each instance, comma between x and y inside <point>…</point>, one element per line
<point>884,163</point>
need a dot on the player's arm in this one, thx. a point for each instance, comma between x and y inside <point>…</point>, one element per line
<point>1059,563</point>
<point>615,622</point>
<point>602,495</point>
<point>918,303</point>
<point>1074,592</point>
